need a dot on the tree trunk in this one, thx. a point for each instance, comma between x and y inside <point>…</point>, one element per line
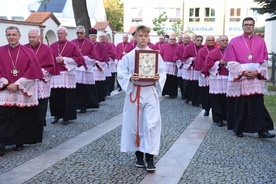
<point>81,14</point>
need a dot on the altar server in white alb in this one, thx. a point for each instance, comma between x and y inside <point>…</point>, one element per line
<point>141,128</point>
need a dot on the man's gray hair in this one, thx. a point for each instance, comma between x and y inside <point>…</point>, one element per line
<point>35,30</point>
<point>63,28</point>
<point>12,27</point>
<point>80,27</point>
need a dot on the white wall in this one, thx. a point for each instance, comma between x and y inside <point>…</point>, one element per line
<point>270,38</point>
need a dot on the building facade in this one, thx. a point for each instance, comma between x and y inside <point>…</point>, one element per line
<point>214,17</point>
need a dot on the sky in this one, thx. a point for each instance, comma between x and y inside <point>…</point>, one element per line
<point>15,7</point>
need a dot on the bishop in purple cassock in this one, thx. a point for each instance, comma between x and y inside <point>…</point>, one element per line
<point>45,57</point>
<point>189,74</point>
<point>63,93</point>
<point>247,62</point>
<point>167,52</point>
<point>214,66</point>
<point>87,96</point>
<point>19,115</point>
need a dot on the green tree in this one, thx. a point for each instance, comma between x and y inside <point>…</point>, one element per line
<point>267,6</point>
<point>177,27</point>
<point>158,23</point>
<point>115,13</point>
<point>259,29</point>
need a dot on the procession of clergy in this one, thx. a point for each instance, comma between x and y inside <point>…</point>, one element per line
<point>79,74</point>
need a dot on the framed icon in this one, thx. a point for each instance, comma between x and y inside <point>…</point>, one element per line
<point>146,64</point>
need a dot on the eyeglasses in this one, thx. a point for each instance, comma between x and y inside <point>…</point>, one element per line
<point>210,40</point>
<point>79,32</point>
<point>172,39</point>
<point>248,25</point>
<point>224,40</point>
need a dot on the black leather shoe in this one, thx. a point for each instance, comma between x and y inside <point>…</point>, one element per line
<point>55,120</point>
<point>65,122</point>
<point>239,134</point>
<point>120,89</point>
<point>206,113</point>
<point>219,124</point>
<point>82,111</point>
<point>266,135</point>
<point>19,147</point>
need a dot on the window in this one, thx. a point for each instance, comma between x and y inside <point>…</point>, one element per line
<point>158,11</point>
<point>17,18</point>
<point>194,15</point>
<point>4,17</point>
<point>235,15</point>
<point>136,14</point>
<point>174,14</point>
<point>209,15</point>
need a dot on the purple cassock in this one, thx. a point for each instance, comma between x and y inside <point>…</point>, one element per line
<point>63,93</point>
<point>85,46</point>
<point>123,48</point>
<point>28,69</point>
<point>218,73</point>
<point>85,88</point>
<point>244,53</point>
<point>167,52</point>
<point>158,45</point>
<point>101,62</point>
<point>69,50</point>
<point>45,57</point>
<point>171,86</point>
<point>151,45</point>
<point>245,94</point>
<point>190,53</point>
<point>48,64</point>
<point>19,109</point>
<point>177,57</point>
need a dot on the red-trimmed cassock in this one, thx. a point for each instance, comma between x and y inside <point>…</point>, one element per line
<point>63,92</point>
<point>45,57</point>
<point>167,52</point>
<point>217,84</point>
<point>99,69</point>
<point>19,116</point>
<point>190,75</point>
<point>245,101</point>
<point>87,95</point>
<point>203,77</point>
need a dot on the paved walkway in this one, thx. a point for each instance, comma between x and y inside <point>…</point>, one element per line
<point>193,150</point>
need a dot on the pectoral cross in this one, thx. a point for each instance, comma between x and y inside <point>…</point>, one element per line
<point>14,71</point>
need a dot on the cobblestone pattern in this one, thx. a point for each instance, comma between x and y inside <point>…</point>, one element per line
<point>224,158</point>
<point>55,134</point>
<point>101,161</point>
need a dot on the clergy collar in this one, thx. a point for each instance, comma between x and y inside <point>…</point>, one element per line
<point>35,45</point>
<point>81,40</point>
<point>62,41</point>
<point>14,45</point>
<point>248,36</point>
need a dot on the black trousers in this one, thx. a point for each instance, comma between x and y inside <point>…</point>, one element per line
<point>63,103</point>
<point>42,106</point>
<point>20,125</point>
<point>171,85</point>
<point>248,114</point>
<point>219,110</point>
<point>87,96</point>
<point>205,98</point>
